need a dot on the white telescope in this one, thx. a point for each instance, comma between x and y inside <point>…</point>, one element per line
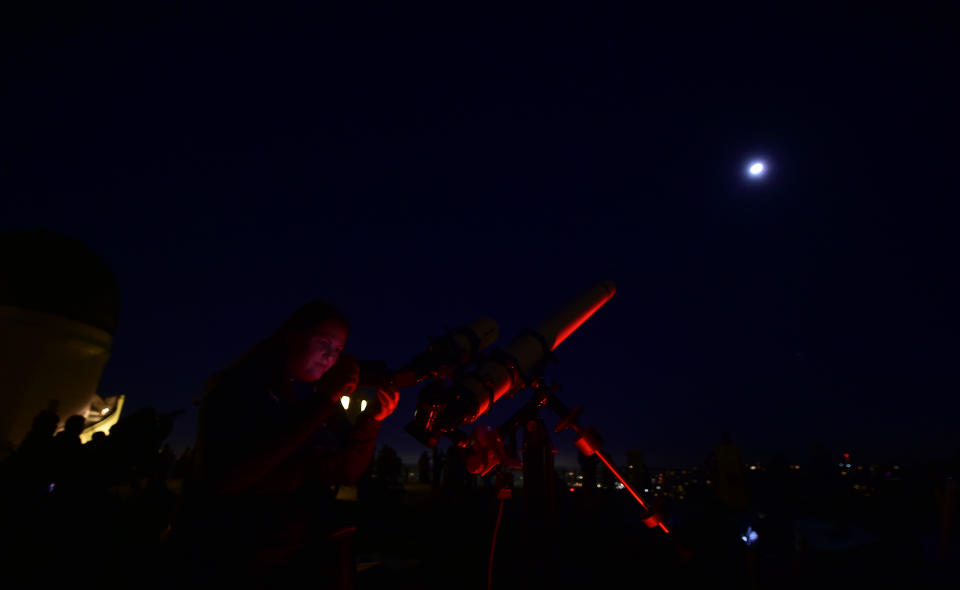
<point>440,409</point>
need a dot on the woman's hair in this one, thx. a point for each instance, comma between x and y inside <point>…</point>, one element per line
<point>267,359</point>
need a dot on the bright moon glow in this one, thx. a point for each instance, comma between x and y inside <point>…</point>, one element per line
<point>757,169</point>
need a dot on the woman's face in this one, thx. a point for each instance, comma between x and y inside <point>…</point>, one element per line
<point>316,351</point>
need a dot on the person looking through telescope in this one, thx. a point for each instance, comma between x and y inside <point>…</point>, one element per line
<point>272,440</point>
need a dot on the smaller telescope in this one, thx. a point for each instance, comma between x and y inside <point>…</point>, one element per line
<point>447,354</point>
<point>442,409</point>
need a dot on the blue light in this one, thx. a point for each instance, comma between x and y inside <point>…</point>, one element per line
<point>757,169</point>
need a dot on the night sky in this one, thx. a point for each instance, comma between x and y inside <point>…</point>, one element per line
<point>421,169</point>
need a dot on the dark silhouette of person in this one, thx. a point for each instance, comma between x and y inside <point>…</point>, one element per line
<point>588,470</point>
<point>539,485</point>
<point>438,460</point>
<point>731,479</point>
<point>387,473</point>
<point>68,456</point>
<point>32,466</point>
<point>637,469</point>
<point>97,472</point>
<point>272,441</point>
<point>135,443</point>
<point>68,504</point>
<point>456,478</point>
<point>389,466</point>
<point>95,461</point>
<point>26,480</point>
<point>423,466</point>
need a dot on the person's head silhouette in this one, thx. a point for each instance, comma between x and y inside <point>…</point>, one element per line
<point>304,347</point>
<point>73,426</point>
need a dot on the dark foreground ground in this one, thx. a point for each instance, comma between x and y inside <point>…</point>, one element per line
<point>414,537</point>
<point>425,540</point>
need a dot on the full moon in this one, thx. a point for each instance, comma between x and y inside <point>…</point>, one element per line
<point>756,169</point>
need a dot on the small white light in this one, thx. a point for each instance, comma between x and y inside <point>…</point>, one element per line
<point>104,411</point>
<point>363,405</point>
<point>757,168</point>
<point>345,401</point>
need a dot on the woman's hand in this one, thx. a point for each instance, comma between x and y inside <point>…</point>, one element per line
<point>388,403</point>
<point>341,379</point>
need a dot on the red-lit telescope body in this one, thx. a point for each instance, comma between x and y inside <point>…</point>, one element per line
<point>567,320</point>
<point>493,379</point>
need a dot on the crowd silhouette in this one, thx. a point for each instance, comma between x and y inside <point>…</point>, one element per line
<point>106,506</point>
<point>102,506</point>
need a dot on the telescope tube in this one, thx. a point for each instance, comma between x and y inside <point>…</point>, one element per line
<point>529,348</point>
<point>504,371</point>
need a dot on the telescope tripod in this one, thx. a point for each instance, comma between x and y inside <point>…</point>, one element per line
<point>488,451</point>
<point>485,448</point>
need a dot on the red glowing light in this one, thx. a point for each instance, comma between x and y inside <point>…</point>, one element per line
<point>620,477</point>
<point>577,322</point>
<point>650,519</point>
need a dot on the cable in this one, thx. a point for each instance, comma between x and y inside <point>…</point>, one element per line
<point>493,545</point>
